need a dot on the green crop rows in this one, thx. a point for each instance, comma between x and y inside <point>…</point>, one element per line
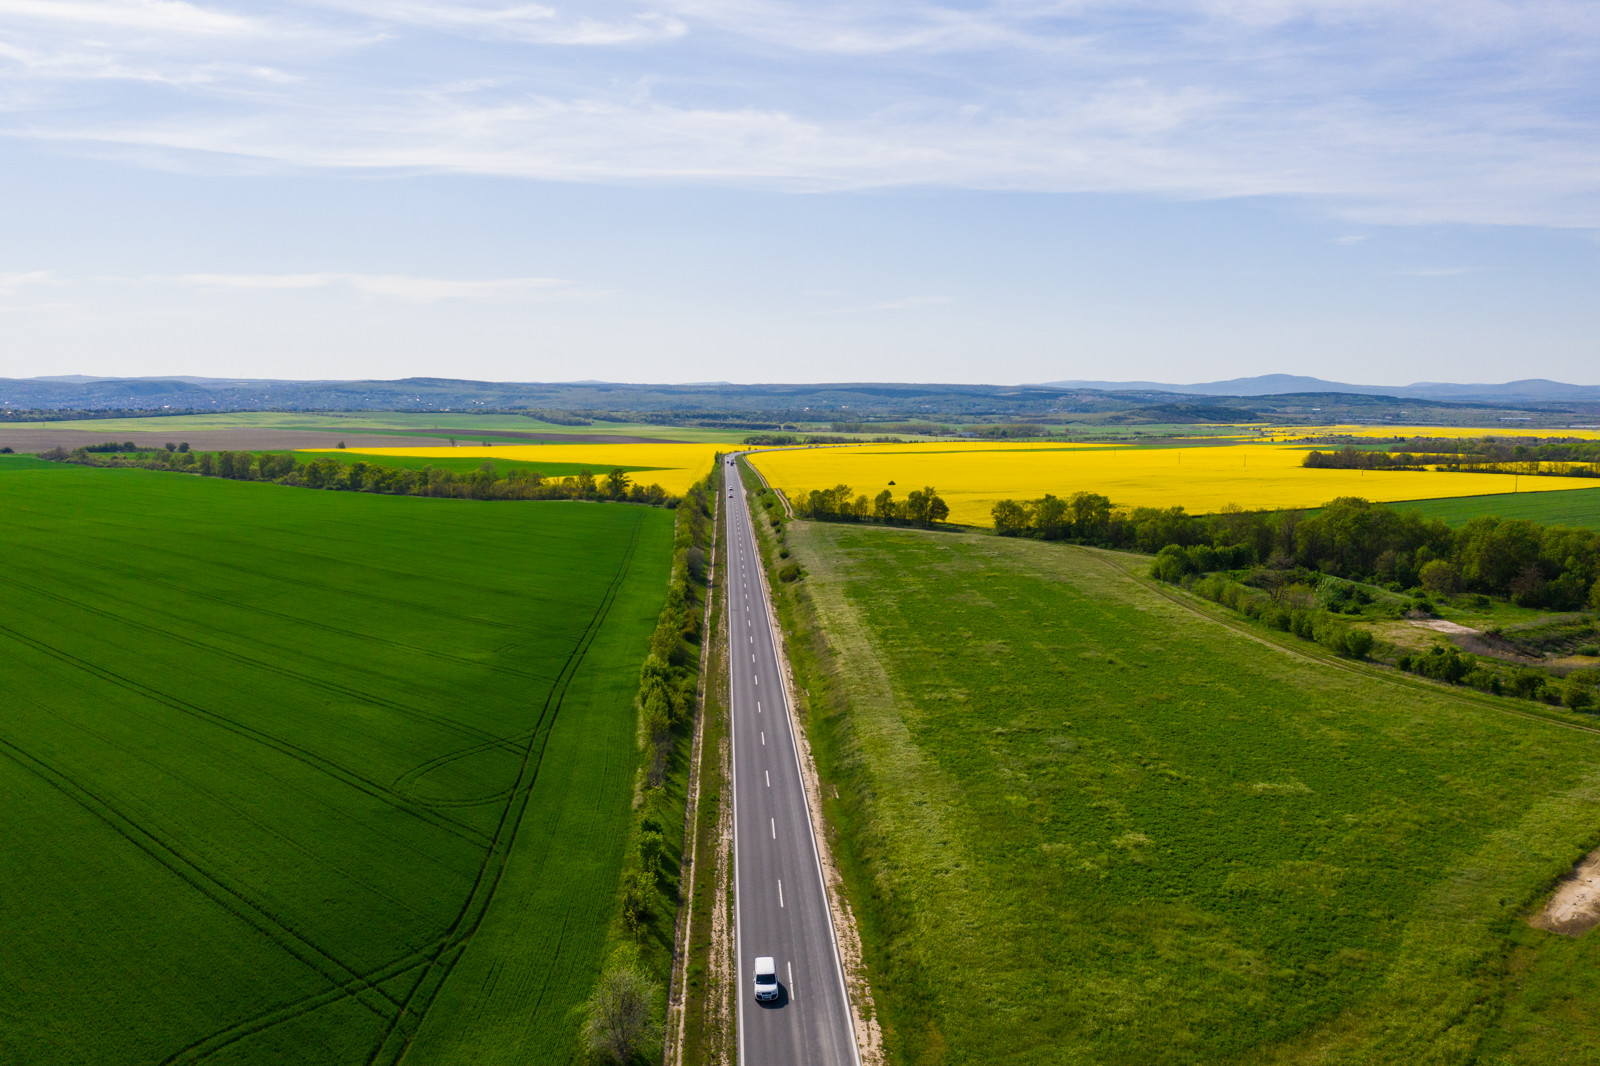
<point>310,777</point>
<point>1084,824</point>
<point>1564,507</point>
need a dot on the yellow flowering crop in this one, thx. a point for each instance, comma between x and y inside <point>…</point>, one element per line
<point>971,477</point>
<point>675,467</point>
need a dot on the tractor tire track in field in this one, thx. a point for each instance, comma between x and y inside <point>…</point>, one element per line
<point>105,740</point>
<point>299,1008</point>
<point>1376,673</point>
<point>414,713</point>
<point>396,1041</point>
<point>300,754</point>
<point>249,911</point>
<point>145,578</point>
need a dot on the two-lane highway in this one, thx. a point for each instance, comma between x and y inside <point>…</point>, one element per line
<point>780,904</point>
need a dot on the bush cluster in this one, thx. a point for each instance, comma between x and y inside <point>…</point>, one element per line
<point>1533,565</point>
<point>921,507</point>
<point>1307,623</point>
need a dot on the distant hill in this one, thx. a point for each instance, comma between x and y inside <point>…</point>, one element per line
<point>1529,390</point>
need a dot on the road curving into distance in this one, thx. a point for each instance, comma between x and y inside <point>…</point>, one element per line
<point>780,904</point>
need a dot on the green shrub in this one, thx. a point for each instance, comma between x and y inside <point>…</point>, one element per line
<point>790,572</point>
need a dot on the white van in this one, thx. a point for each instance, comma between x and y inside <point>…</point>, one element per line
<point>766,979</point>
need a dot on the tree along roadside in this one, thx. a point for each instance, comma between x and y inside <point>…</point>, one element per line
<point>623,1020</point>
<point>282,468</point>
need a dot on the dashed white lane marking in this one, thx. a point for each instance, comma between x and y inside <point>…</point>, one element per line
<point>774,823</point>
<point>792,996</point>
<point>769,777</point>
<point>780,892</point>
<point>758,706</point>
<point>752,654</point>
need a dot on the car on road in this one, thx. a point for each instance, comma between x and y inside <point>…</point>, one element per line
<point>766,979</point>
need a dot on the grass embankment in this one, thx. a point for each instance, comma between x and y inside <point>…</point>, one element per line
<point>1081,823</point>
<point>309,776</point>
<point>1565,507</point>
<point>706,1034</point>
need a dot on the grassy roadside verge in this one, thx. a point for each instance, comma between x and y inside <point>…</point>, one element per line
<point>1081,823</point>
<point>705,1033</point>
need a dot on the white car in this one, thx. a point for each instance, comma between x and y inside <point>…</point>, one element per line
<point>766,979</point>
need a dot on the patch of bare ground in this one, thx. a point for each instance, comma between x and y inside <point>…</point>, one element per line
<point>1440,625</point>
<point>1574,907</point>
<point>863,1012</point>
<point>83,434</point>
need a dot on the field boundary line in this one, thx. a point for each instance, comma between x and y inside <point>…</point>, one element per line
<point>1372,671</point>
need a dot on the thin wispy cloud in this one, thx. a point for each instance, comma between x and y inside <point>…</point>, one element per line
<point>1481,111</point>
<point>9,282</point>
<point>397,286</point>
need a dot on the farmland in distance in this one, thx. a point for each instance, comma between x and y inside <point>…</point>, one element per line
<point>1081,822</point>
<point>972,476</point>
<point>264,753</point>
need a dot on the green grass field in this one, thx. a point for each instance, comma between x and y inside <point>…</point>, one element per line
<point>467,428</point>
<point>1081,823</point>
<point>1570,507</point>
<point>310,777</point>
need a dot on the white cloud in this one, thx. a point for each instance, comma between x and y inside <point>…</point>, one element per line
<point>18,279</point>
<point>1480,111</point>
<point>162,16</point>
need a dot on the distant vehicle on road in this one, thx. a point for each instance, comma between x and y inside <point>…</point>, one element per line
<point>766,979</point>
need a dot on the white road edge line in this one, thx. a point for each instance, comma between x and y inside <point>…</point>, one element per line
<point>792,997</point>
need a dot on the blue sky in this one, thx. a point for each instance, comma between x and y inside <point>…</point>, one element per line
<point>754,190</point>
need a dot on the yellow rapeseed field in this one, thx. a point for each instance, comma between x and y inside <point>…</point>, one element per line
<point>971,477</point>
<point>675,467</point>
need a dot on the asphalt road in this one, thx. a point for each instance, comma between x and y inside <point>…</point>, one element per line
<point>780,903</point>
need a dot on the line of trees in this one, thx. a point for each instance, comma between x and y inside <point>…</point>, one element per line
<point>1563,460</point>
<point>623,1017</point>
<point>484,483</point>
<point>1534,565</point>
<point>921,507</point>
